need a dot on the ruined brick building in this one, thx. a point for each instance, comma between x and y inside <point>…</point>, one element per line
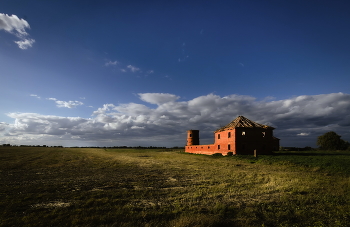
<point>241,136</point>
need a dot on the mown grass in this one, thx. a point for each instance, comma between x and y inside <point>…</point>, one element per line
<point>116,187</point>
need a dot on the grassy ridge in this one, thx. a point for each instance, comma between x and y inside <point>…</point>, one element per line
<point>98,187</point>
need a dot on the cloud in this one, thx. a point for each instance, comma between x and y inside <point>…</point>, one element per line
<point>109,63</point>
<point>158,98</point>
<point>24,44</point>
<point>36,124</point>
<point>14,25</point>
<point>67,104</point>
<point>303,134</point>
<point>133,68</point>
<point>137,127</point>
<point>298,120</point>
<point>3,126</point>
<point>127,68</point>
<point>36,96</point>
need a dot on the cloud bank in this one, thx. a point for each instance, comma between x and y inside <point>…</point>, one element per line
<point>14,25</point>
<point>298,121</point>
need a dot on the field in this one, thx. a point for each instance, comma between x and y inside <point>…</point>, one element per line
<point>129,187</point>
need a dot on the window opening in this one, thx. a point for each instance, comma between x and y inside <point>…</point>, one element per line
<point>229,134</point>
<point>190,135</point>
<point>229,147</point>
<point>218,147</point>
<point>218,136</point>
<point>263,134</point>
<point>243,133</point>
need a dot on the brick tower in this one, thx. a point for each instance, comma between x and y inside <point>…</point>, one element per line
<point>192,137</point>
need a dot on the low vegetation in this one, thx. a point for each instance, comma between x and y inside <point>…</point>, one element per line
<point>132,187</point>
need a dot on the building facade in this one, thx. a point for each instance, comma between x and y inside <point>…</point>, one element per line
<point>241,136</point>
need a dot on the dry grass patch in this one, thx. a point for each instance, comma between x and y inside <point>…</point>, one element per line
<point>98,187</point>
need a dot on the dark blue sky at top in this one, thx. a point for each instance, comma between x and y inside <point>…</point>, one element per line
<point>257,48</point>
<point>278,49</point>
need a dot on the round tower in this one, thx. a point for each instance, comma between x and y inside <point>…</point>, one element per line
<point>192,137</point>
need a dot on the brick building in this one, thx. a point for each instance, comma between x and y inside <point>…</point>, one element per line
<point>241,136</point>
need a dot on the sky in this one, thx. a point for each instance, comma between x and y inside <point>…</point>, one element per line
<point>142,73</point>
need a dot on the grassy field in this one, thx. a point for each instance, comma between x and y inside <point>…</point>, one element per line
<point>115,187</point>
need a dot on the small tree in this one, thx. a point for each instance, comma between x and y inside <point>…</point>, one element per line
<point>331,141</point>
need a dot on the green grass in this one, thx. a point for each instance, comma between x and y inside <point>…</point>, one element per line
<point>332,162</point>
<point>116,187</point>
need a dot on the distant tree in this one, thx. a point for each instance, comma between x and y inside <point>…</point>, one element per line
<point>347,145</point>
<point>331,141</point>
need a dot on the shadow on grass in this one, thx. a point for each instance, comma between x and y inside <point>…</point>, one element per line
<point>312,153</point>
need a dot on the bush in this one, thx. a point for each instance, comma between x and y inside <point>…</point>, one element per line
<point>331,141</point>
<point>217,154</point>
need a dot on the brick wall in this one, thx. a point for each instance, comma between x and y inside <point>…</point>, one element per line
<point>237,141</point>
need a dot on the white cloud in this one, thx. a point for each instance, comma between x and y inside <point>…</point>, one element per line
<point>38,97</point>
<point>14,25</point>
<point>109,63</point>
<point>24,44</point>
<point>298,120</point>
<point>127,68</point>
<point>67,104</point>
<point>303,134</point>
<point>158,98</point>
<point>133,68</point>
<point>137,127</point>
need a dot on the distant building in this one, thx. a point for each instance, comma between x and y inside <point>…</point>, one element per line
<point>241,136</point>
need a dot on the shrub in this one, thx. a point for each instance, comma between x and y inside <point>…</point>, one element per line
<point>217,154</point>
<point>331,141</point>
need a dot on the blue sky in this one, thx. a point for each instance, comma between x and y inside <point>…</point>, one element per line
<point>113,73</point>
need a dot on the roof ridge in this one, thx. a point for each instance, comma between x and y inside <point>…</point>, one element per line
<point>242,122</point>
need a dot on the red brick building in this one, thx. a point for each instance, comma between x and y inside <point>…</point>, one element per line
<point>241,136</point>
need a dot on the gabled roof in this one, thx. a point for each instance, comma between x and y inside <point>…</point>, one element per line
<point>242,122</point>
